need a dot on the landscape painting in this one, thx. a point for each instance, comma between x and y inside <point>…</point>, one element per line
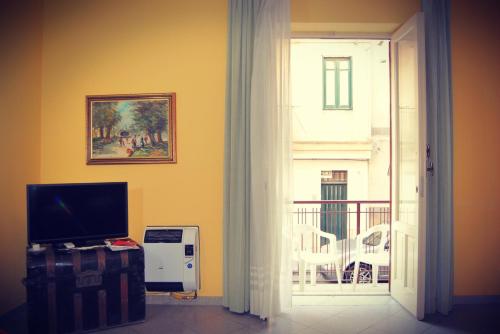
<point>125,129</point>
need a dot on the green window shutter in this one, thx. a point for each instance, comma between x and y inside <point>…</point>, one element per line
<point>337,83</point>
<point>334,216</point>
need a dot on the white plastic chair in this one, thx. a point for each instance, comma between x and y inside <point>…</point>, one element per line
<point>374,255</point>
<point>309,256</point>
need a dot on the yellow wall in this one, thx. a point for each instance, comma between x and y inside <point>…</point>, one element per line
<point>476,105</point>
<point>122,47</point>
<point>352,16</point>
<point>20,70</point>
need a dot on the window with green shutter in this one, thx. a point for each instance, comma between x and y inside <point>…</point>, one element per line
<point>337,83</point>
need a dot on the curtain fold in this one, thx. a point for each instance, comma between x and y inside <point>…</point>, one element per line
<point>270,138</point>
<point>257,228</point>
<point>439,266</point>
<point>241,22</point>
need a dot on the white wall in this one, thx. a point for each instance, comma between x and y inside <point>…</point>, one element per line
<point>380,84</point>
<point>369,96</point>
<point>378,170</point>
<point>308,177</point>
<point>379,177</point>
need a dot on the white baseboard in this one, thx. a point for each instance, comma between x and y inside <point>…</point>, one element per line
<point>463,300</point>
<point>165,299</point>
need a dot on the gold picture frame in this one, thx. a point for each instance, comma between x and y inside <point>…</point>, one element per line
<point>131,129</point>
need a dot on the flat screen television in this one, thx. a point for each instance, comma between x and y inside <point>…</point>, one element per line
<point>76,212</point>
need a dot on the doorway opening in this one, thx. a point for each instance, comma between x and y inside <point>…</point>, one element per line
<point>340,96</point>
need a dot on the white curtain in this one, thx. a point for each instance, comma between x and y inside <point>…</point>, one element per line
<point>270,142</point>
<point>439,271</point>
<point>257,174</point>
<point>241,22</point>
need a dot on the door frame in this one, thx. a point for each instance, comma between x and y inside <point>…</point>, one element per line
<point>368,36</point>
<point>393,146</point>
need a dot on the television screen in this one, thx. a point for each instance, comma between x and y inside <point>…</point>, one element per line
<point>73,212</point>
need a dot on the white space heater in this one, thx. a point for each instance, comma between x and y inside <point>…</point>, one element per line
<point>171,256</point>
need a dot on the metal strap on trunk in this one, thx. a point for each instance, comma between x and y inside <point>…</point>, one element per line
<point>50,263</point>
<point>101,294</point>
<point>78,311</point>
<point>124,258</point>
<point>103,315</point>
<point>101,260</point>
<point>77,262</point>
<point>124,286</point>
<point>51,290</point>
<point>76,257</point>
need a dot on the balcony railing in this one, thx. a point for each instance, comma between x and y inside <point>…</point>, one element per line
<point>346,219</point>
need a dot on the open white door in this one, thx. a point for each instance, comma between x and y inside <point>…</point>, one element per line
<point>409,138</point>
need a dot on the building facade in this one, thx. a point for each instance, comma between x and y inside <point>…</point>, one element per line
<point>340,95</point>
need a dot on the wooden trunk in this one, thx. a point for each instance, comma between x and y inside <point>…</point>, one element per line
<point>72,291</point>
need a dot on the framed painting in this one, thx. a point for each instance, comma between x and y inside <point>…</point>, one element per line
<point>131,129</point>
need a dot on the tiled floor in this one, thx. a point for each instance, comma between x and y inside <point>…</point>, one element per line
<point>387,317</point>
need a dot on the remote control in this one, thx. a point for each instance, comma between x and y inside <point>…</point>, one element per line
<point>36,248</point>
